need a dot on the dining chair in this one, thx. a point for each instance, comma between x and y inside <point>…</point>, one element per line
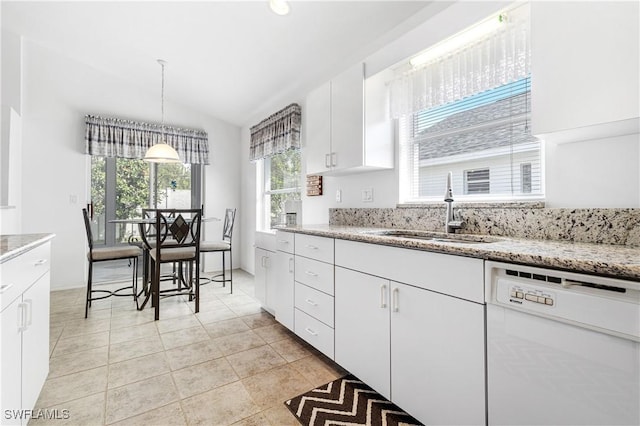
<point>174,237</point>
<point>223,246</point>
<point>103,254</point>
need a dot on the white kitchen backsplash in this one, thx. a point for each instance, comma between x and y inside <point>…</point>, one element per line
<point>597,225</point>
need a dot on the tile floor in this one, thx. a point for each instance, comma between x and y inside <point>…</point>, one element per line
<point>232,363</point>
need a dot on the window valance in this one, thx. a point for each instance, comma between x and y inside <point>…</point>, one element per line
<point>277,133</point>
<point>501,57</point>
<point>114,137</point>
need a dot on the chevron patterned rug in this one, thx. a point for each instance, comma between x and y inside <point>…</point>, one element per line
<point>347,401</point>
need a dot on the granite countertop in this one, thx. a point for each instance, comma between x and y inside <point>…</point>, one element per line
<point>600,259</point>
<point>14,245</point>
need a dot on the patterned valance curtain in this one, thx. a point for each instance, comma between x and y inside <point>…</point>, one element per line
<point>277,133</point>
<point>499,58</point>
<point>114,137</point>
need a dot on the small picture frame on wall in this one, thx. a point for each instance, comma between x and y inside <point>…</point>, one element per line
<point>314,185</point>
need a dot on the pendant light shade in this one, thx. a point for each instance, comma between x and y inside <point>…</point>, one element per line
<point>162,152</point>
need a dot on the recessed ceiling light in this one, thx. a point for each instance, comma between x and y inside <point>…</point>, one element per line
<point>281,7</point>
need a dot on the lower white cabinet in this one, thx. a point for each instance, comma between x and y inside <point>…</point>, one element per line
<point>24,332</point>
<point>265,278</point>
<point>284,276</point>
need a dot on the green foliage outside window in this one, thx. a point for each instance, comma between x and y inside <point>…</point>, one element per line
<point>284,178</point>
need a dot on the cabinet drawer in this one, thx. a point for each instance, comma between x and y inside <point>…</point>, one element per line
<point>317,334</point>
<point>19,273</point>
<point>318,248</point>
<point>315,303</point>
<point>285,241</point>
<point>315,274</point>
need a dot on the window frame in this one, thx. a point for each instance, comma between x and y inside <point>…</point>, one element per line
<point>263,172</point>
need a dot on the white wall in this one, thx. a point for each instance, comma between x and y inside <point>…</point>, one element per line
<point>58,92</point>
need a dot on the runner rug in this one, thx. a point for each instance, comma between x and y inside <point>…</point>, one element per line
<point>347,401</point>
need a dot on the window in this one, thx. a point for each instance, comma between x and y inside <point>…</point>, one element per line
<point>122,187</point>
<point>483,139</point>
<point>281,183</point>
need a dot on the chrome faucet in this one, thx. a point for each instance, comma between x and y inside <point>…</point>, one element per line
<point>450,223</point>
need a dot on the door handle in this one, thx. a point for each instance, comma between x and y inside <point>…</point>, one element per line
<point>383,291</point>
<point>29,309</point>
<point>327,162</point>
<point>396,291</point>
<point>291,265</point>
<point>22,317</point>
<point>334,159</point>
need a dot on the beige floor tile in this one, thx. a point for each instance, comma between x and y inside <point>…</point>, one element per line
<point>210,304</point>
<point>254,361</point>
<point>81,343</point>
<point>85,326</point>
<point>87,411</point>
<point>280,415</point>
<point>137,348</point>
<point>139,397</point>
<point>273,333</point>
<point>259,320</point>
<point>54,335</point>
<point>184,337</point>
<point>78,361</point>
<point>225,328</point>
<point>176,309</point>
<point>239,342</point>
<point>255,420</point>
<point>167,325</point>
<point>203,377</point>
<point>125,319</point>
<point>133,332</point>
<point>247,309</point>
<point>196,353</point>
<point>133,370</point>
<point>221,406</point>
<point>237,300</point>
<point>276,386</point>
<point>291,349</point>
<point>217,314</point>
<point>169,415</point>
<point>72,386</point>
<point>317,371</point>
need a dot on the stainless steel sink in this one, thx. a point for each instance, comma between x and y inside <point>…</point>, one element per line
<point>434,236</point>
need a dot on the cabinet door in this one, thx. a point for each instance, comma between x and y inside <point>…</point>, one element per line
<point>284,283</point>
<point>11,359</point>
<point>437,356</point>
<point>318,129</point>
<point>347,118</point>
<point>35,341</point>
<point>271,271</point>
<point>362,327</point>
<point>260,278</point>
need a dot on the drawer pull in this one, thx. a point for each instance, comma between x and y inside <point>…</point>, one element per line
<point>311,302</point>
<point>5,287</point>
<point>383,291</point>
<point>311,247</point>
<point>311,273</point>
<point>283,241</point>
<point>40,262</point>
<point>310,331</point>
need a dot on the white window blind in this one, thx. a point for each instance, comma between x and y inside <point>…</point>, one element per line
<point>484,140</point>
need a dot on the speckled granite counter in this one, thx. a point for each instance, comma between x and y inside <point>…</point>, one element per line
<point>14,245</point>
<point>601,259</point>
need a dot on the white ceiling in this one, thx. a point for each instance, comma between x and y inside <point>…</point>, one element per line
<point>233,60</point>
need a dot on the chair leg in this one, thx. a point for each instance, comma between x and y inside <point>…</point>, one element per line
<point>196,283</point>
<point>155,289</point>
<point>224,271</point>
<point>231,270</point>
<point>89,283</point>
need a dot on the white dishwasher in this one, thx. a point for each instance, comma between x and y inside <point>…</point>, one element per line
<point>562,348</point>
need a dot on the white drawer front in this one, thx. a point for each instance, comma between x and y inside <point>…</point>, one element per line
<point>315,303</point>
<point>315,274</point>
<point>285,241</point>
<point>20,272</point>
<point>317,334</point>
<point>319,248</point>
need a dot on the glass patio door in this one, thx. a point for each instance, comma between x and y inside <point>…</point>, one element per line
<point>122,187</point>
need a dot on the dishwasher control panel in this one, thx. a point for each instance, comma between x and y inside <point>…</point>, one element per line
<point>519,294</point>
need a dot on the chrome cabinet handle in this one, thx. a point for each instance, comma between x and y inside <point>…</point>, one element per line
<point>22,317</point>
<point>311,247</point>
<point>291,265</point>
<point>310,331</point>
<point>334,159</point>
<point>29,309</point>
<point>327,163</point>
<point>40,262</point>
<point>283,241</point>
<point>311,273</point>
<point>311,302</point>
<point>395,299</point>
<point>383,291</point>
<point>5,287</point>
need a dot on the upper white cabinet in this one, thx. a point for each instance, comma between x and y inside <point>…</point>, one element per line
<point>347,125</point>
<point>584,67</point>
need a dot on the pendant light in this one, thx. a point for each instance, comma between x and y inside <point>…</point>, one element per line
<point>162,152</point>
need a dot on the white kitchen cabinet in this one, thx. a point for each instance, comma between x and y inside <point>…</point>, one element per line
<point>24,328</point>
<point>337,126</point>
<point>284,278</point>
<point>422,349</point>
<point>584,66</point>
<point>265,278</point>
